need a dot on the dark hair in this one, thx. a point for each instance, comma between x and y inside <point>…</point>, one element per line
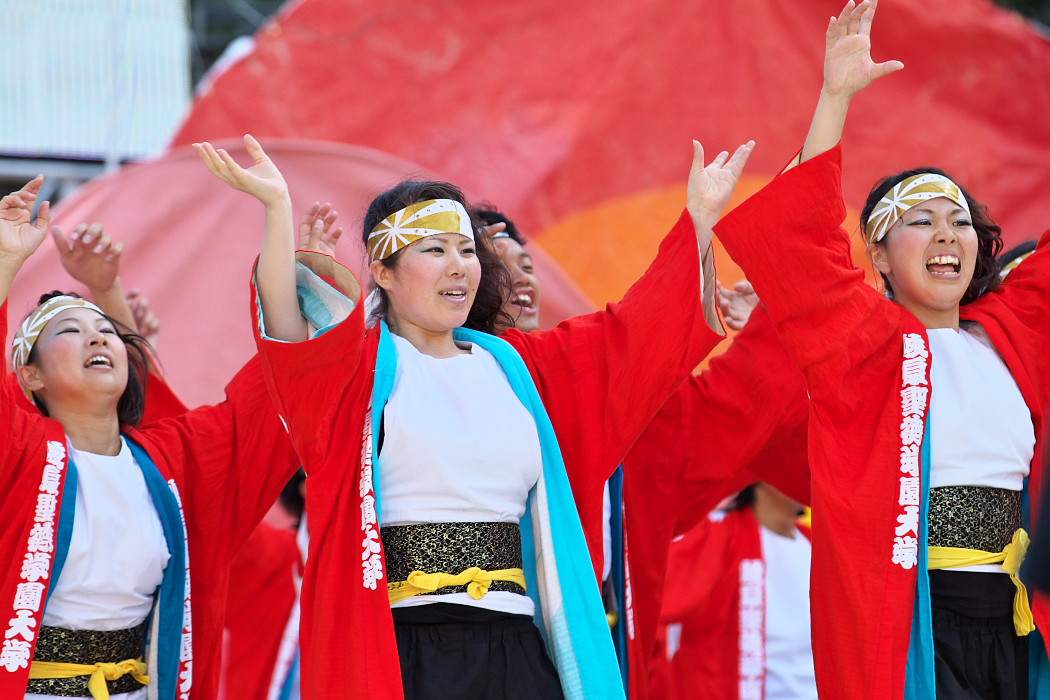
<point>491,215</point>
<point>132,402</point>
<point>746,498</point>
<point>989,235</point>
<point>1019,250</point>
<point>291,498</point>
<point>487,313</point>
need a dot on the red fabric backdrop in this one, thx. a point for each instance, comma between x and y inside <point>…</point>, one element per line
<point>560,111</point>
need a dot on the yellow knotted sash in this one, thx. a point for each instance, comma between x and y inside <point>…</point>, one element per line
<point>476,579</point>
<point>1011,557</point>
<point>100,673</point>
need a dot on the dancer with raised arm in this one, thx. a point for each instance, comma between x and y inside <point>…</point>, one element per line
<point>104,522</point>
<point>928,401</point>
<point>427,442</point>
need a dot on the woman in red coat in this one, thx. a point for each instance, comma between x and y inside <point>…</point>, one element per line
<point>480,535</point>
<point>104,522</point>
<point>927,405</point>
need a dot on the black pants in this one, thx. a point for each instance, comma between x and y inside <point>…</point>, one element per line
<point>451,651</point>
<point>978,655</point>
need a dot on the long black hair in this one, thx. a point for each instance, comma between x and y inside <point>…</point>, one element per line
<point>989,235</point>
<point>132,402</point>
<point>487,313</point>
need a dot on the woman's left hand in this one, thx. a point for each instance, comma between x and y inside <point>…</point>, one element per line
<point>89,256</point>
<point>711,186</point>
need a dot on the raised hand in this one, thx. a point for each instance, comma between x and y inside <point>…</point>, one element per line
<point>315,229</point>
<point>710,187</point>
<point>737,303</point>
<point>89,256</point>
<point>848,67</point>
<point>145,321</point>
<point>20,236</point>
<point>262,180</point>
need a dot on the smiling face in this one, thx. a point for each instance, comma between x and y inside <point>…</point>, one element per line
<point>523,306</point>
<point>928,258</point>
<point>432,286</point>
<point>78,357</point>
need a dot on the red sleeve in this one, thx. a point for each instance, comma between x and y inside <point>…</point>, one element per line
<point>308,381</point>
<point>236,455</point>
<point>161,401</point>
<point>805,275</point>
<point>713,428</point>
<point>15,409</point>
<point>603,376</point>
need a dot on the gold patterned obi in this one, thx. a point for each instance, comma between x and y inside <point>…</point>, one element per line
<point>973,517</point>
<point>455,549</point>
<point>86,647</point>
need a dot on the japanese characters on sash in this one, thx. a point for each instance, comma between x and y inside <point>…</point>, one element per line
<point>36,566</point>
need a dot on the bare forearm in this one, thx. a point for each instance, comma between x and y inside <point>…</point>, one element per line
<point>276,275</point>
<point>8,269</point>
<point>829,119</point>
<point>707,291</point>
<point>114,304</point>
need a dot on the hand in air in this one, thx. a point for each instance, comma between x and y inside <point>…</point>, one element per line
<point>20,236</point>
<point>848,67</point>
<point>736,303</point>
<point>145,320</point>
<point>315,229</point>
<point>89,256</point>
<point>711,186</point>
<point>262,180</point>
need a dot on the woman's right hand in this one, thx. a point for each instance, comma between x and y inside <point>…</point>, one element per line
<point>848,67</point>
<point>262,180</point>
<point>19,235</point>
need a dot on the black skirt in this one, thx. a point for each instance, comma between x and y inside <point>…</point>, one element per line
<point>978,654</point>
<point>451,651</point>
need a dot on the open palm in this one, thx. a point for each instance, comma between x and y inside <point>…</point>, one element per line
<point>262,179</point>
<point>20,236</point>
<point>848,67</point>
<point>711,186</point>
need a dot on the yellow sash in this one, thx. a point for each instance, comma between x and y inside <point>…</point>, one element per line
<point>100,673</point>
<point>1011,558</point>
<point>476,579</point>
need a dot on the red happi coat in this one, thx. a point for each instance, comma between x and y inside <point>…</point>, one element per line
<point>741,420</point>
<point>263,592</point>
<point>601,378</point>
<point>863,356</point>
<point>229,462</point>
<point>715,591</point>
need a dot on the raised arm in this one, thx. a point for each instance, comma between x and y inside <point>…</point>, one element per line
<point>604,375</point>
<point>92,258</point>
<point>710,187</point>
<point>276,269</point>
<point>848,69</point>
<point>20,236</point>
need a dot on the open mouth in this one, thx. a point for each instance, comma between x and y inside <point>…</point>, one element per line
<point>454,295</point>
<point>944,266</point>
<point>524,300</point>
<point>99,361</point>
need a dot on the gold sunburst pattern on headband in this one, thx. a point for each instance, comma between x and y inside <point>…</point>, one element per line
<point>906,194</point>
<point>29,332</point>
<point>419,220</point>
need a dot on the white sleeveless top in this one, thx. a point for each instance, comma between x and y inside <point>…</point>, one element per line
<point>458,446</point>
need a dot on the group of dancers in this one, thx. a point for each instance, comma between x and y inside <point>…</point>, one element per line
<point>472,481</point>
